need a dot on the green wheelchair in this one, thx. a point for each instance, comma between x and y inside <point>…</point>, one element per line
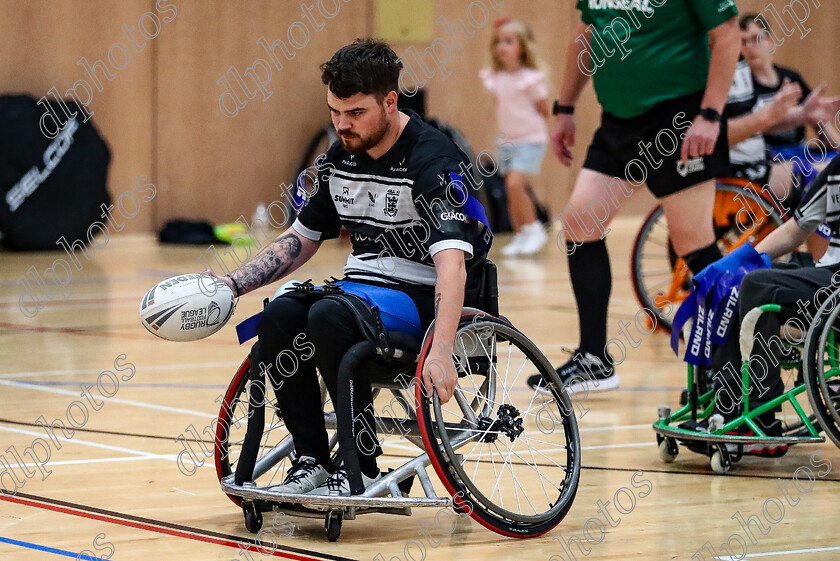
<point>811,371</point>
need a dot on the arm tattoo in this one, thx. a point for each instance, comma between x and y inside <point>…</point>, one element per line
<point>270,265</point>
<point>437,303</point>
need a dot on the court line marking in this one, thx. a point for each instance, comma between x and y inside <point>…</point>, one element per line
<point>160,526</point>
<point>788,552</point>
<point>169,366</point>
<point>146,385</point>
<point>31,386</point>
<point>54,550</point>
<point>150,455</point>
<point>108,334</point>
<point>97,460</point>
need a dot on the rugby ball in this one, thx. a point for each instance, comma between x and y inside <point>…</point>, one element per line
<point>187,307</point>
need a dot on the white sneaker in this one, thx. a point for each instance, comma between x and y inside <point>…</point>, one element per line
<point>339,485</point>
<point>305,475</point>
<point>513,248</point>
<point>534,238</point>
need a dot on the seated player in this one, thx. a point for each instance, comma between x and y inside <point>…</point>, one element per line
<point>793,288</point>
<point>764,111</point>
<point>390,180</point>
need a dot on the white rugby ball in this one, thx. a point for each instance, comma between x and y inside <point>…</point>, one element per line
<point>187,307</point>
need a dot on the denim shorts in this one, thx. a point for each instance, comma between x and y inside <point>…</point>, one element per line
<point>525,158</point>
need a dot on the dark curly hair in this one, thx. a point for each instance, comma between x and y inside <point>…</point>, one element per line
<point>757,19</point>
<point>367,66</point>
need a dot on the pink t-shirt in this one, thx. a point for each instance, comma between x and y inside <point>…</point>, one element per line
<point>517,93</point>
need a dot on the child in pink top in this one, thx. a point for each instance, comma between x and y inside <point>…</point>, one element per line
<point>521,93</point>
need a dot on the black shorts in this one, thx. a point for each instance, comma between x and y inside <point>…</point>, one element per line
<point>646,148</point>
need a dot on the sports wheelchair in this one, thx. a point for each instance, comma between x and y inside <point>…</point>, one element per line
<point>487,445</point>
<point>815,367</point>
<point>661,278</point>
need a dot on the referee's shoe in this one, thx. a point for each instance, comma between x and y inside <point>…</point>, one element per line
<point>584,372</point>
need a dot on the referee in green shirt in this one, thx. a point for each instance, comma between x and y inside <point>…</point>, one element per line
<point>661,70</point>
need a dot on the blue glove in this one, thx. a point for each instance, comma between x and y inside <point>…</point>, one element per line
<point>713,302</point>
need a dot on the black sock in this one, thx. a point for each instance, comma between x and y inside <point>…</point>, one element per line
<point>702,258</point>
<point>589,267</point>
<point>370,469</point>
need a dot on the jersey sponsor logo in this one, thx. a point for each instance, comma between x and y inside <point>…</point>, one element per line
<point>400,168</point>
<point>452,215</point>
<point>349,162</point>
<point>824,231</point>
<point>344,198</point>
<point>638,5</point>
<point>372,197</point>
<point>392,197</point>
<point>693,165</point>
<point>359,238</point>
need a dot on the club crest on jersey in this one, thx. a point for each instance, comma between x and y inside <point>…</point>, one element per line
<point>392,197</point>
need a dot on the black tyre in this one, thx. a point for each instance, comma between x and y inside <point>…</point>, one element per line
<point>273,458</point>
<point>821,366</point>
<point>253,517</point>
<point>332,524</point>
<point>510,459</point>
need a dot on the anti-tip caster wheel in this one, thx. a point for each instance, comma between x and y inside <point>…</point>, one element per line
<point>332,524</point>
<point>719,462</point>
<point>668,450</point>
<point>253,517</point>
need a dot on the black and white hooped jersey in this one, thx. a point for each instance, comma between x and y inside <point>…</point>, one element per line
<point>400,209</point>
<point>743,100</point>
<point>821,203</point>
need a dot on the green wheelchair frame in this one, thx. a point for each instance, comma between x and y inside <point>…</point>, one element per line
<point>820,361</point>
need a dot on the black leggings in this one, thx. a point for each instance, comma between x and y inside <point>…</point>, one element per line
<point>296,334</point>
<point>794,289</point>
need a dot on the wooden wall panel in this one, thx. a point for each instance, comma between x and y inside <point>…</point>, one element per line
<point>460,98</point>
<point>40,43</point>
<point>161,113</point>
<point>219,167</point>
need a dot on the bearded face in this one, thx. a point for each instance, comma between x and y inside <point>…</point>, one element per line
<point>360,121</point>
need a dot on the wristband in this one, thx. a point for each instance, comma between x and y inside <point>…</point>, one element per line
<point>236,286</point>
<point>711,115</point>
<point>558,109</point>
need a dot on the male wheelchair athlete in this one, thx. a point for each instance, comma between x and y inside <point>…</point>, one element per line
<point>815,363</point>
<point>482,444</point>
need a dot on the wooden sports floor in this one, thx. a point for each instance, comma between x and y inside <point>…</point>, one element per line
<point>113,487</point>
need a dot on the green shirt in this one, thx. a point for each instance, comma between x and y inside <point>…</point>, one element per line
<point>665,45</point>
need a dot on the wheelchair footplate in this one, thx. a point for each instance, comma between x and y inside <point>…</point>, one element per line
<point>720,440</point>
<point>388,495</point>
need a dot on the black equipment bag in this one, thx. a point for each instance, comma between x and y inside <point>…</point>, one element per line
<point>51,187</point>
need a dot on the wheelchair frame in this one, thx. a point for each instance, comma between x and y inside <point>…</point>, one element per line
<point>387,494</point>
<point>701,399</point>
